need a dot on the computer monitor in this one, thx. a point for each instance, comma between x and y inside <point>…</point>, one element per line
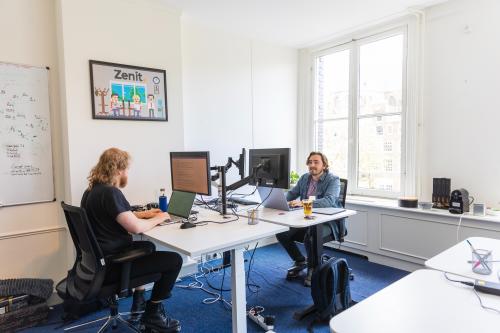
<point>271,167</point>
<point>190,172</point>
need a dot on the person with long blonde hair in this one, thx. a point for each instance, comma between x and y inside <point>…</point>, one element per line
<point>113,224</point>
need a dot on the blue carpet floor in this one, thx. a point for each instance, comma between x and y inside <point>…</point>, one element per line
<point>268,288</point>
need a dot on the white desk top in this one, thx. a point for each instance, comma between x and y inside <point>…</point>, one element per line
<point>212,237</point>
<point>423,301</point>
<point>454,260</point>
<point>295,218</point>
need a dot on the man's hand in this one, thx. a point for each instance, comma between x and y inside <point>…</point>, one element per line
<point>137,224</point>
<point>163,216</point>
<point>295,203</point>
<point>147,214</point>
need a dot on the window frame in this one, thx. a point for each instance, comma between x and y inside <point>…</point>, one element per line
<point>409,28</point>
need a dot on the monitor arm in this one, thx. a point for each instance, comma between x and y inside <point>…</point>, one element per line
<point>240,164</point>
<point>245,180</point>
<point>223,188</point>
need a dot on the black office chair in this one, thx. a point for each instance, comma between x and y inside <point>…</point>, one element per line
<point>340,224</point>
<point>85,281</point>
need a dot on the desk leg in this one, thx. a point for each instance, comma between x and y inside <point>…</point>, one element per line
<point>316,252</point>
<point>317,244</point>
<point>238,293</point>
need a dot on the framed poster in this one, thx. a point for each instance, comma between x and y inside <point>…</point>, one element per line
<point>127,92</point>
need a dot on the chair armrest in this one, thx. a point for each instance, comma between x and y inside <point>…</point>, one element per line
<point>127,255</point>
<point>125,259</point>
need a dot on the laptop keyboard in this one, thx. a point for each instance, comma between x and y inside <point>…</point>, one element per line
<point>173,219</point>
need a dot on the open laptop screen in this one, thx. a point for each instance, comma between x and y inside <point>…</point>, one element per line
<point>181,203</point>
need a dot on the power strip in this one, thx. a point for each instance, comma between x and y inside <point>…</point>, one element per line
<point>487,287</point>
<point>266,323</point>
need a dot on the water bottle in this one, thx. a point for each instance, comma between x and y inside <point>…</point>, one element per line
<point>163,204</point>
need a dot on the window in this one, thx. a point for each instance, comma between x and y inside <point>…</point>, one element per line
<point>388,165</point>
<point>380,130</point>
<point>126,92</point>
<point>359,111</point>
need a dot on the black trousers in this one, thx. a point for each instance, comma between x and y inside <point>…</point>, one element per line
<point>288,238</point>
<point>167,263</point>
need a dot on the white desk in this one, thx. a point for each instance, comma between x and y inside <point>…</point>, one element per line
<point>295,218</point>
<point>423,301</point>
<point>214,237</point>
<point>454,260</point>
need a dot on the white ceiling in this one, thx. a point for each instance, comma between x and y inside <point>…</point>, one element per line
<point>294,23</point>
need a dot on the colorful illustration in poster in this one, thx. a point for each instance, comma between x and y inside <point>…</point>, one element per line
<point>128,92</point>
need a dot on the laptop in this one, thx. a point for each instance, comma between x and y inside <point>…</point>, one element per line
<point>276,199</point>
<point>179,207</point>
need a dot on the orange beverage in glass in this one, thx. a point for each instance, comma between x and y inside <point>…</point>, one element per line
<point>308,205</point>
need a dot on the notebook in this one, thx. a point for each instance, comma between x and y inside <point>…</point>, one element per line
<point>328,210</point>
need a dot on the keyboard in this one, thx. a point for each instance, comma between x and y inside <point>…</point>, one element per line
<point>242,201</point>
<point>173,219</point>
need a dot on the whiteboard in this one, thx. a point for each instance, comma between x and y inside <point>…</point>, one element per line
<point>26,173</point>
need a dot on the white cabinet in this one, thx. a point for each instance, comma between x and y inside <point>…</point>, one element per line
<point>405,238</point>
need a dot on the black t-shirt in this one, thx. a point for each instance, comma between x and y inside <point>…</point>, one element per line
<point>103,203</point>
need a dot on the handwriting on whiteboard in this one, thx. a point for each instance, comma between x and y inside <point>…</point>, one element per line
<point>26,173</point>
<point>22,129</point>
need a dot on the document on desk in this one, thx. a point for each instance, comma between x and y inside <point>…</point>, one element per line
<point>328,210</point>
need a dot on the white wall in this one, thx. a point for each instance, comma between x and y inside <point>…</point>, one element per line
<point>64,35</point>
<point>237,93</point>
<point>461,106</point>
<point>125,32</point>
<point>459,135</point>
<point>232,82</point>
<point>33,240</point>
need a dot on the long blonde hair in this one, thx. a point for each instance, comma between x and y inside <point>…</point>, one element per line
<point>112,161</point>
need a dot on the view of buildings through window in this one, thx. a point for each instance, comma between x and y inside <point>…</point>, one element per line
<point>373,110</point>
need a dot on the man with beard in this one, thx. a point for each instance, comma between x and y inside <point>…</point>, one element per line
<point>325,187</point>
<point>113,223</point>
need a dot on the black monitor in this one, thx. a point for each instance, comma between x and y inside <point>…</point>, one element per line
<point>190,172</point>
<point>271,167</point>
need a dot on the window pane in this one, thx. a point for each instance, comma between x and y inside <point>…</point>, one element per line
<point>332,139</point>
<point>332,85</point>
<point>379,168</point>
<point>381,76</point>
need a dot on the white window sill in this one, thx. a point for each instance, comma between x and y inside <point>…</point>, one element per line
<point>393,204</point>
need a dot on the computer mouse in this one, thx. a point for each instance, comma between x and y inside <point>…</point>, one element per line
<point>187,225</point>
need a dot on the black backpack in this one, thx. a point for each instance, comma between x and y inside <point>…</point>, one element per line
<point>330,289</point>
